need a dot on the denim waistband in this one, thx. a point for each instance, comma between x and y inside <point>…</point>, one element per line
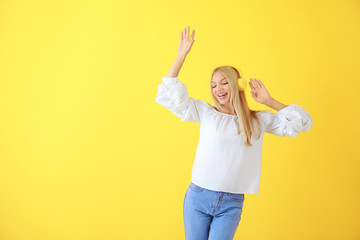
<point>196,187</point>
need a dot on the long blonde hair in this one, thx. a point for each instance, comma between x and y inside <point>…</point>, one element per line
<point>238,103</point>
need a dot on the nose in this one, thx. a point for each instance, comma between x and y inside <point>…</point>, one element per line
<point>219,89</point>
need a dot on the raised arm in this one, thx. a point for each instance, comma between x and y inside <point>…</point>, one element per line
<point>261,95</point>
<point>289,120</point>
<point>173,94</point>
<point>274,104</point>
<point>183,49</point>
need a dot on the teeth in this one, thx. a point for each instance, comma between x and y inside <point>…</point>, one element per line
<point>222,94</point>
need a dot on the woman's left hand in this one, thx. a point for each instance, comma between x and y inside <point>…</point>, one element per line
<point>259,92</point>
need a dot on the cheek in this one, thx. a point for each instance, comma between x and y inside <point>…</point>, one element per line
<point>228,88</point>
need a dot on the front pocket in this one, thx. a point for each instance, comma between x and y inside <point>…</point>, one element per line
<point>237,197</point>
<point>196,188</point>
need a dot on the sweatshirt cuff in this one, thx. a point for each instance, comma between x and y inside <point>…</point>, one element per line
<point>296,116</point>
<point>170,81</point>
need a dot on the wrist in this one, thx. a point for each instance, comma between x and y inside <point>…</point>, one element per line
<point>180,57</point>
<point>269,102</point>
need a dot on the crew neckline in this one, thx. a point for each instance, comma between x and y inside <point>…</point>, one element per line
<point>226,114</point>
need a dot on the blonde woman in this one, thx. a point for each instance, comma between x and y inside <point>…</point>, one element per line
<point>228,156</point>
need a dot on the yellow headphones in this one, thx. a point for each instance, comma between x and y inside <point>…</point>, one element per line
<point>241,83</point>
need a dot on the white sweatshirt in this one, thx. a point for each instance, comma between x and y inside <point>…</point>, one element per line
<point>222,162</point>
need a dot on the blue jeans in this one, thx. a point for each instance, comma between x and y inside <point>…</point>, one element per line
<point>211,215</point>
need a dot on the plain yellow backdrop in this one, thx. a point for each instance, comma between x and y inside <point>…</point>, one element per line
<point>87,154</point>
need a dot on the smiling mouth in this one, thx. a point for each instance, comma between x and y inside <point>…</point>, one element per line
<point>222,95</point>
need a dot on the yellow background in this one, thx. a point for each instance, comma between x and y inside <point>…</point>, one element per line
<point>86,153</point>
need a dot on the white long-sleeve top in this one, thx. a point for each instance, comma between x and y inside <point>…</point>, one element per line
<point>222,162</point>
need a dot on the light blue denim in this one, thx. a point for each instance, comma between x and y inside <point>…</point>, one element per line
<point>211,215</point>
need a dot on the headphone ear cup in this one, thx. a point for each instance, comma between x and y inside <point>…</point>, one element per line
<point>242,84</point>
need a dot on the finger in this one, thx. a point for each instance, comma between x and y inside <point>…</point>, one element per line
<point>187,33</point>
<point>181,36</point>
<point>262,85</point>
<point>184,33</point>
<point>256,83</point>
<point>193,35</point>
<point>252,87</point>
<point>259,84</point>
<point>253,83</point>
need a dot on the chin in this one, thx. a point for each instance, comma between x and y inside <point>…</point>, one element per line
<point>223,102</point>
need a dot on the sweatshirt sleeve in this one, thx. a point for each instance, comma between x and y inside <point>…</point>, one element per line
<point>289,121</point>
<point>173,95</point>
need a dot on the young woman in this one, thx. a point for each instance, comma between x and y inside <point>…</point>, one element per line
<point>228,156</point>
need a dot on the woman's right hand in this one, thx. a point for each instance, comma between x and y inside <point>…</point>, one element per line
<point>185,42</point>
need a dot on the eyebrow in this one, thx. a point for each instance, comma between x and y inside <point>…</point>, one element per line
<point>219,80</point>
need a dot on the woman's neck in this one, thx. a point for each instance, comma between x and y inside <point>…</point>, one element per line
<point>227,110</point>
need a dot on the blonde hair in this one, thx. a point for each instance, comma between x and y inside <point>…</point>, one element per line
<point>239,104</point>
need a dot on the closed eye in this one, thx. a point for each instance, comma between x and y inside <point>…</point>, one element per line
<point>222,84</point>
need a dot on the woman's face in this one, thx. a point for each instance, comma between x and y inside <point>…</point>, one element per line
<point>220,87</point>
